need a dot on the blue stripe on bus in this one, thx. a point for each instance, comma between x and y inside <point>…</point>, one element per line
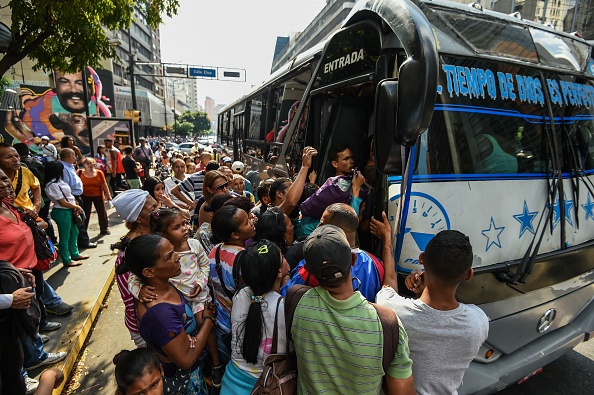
<point>480,177</point>
<point>535,119</point>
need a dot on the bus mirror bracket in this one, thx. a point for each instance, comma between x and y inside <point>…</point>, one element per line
<point>388,144</point>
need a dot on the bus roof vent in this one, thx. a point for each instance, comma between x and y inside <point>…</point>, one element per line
<point>516,15</point>
<point>476,5</point>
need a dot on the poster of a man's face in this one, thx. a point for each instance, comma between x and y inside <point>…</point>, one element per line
<point>70,91</point>
<point>74,125</point>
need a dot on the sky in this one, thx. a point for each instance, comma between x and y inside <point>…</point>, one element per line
<point>237,34</point>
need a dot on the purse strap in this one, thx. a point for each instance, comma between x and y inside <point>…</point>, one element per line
<point>390,328</point>
<point>19,184</point>
<point>294,295</point>
<point>275,332</point>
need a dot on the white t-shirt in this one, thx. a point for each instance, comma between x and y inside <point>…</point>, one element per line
<point>170,183</point>
<point>59,190</point>
<point>241,306</point>
<point>442,343</point>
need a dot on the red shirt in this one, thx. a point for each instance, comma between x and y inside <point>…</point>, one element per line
<point>17,243</point>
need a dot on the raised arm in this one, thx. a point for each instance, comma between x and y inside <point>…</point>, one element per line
<point>176,191</point>
<point>383,231</point>
<point>296,189</point>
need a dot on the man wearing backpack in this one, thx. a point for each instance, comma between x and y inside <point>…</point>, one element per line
<point>338,335</point>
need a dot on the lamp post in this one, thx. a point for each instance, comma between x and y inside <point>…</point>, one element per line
<point>132,59</point>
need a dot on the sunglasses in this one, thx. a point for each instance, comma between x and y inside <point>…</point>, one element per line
<point>224,185</point>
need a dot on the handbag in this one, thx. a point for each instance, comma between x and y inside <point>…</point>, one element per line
<point>279,375</point>
<point>78,218</point>
<point>43,249</point>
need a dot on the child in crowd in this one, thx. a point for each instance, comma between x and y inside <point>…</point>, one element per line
<point>256,309</point>
<point>171,224</point>
<point>156,188</point>
<point>138,372</point>
<point>444,334</point>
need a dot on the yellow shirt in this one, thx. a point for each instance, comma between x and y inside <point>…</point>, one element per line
<point>29,182</point>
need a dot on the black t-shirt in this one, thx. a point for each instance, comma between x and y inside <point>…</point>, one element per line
<point>130,167</point>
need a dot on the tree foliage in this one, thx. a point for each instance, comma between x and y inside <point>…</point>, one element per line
<point>184,128</point>
<point>70,34</point>
<point>198,119</point>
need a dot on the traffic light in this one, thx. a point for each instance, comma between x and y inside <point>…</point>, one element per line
<point>136,116</point>
<point>127,114</point>
<point>165,127</point>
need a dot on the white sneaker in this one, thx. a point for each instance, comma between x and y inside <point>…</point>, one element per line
<point>52,357</point>
<point>31,385</point>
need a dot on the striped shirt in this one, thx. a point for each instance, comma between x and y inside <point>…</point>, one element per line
<point>223,303</point>
<point>339,346</point>
<point>193,185</point>
<point>129,309</point>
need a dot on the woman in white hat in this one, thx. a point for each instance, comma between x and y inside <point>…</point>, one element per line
<point>135,206</point>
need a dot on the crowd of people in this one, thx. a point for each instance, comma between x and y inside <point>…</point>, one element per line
<point>214,252</point>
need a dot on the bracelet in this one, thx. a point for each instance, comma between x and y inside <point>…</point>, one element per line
<point>214,320</point>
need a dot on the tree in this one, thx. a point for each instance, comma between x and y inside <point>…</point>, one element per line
<point>69,34</point>
<point>184,128</point>
<point>198,119</point>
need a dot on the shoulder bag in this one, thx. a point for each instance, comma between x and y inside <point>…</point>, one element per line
<point>44,248</point>
<point>279,376</point>
<point>77,219</point>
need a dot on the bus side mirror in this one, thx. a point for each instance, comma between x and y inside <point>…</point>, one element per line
<point>388,159</point>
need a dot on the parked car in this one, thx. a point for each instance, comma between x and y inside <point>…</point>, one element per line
<point>171,146</point>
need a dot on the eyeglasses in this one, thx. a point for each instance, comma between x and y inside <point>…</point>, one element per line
<point>224,185</point>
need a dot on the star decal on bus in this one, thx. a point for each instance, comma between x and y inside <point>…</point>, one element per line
<point>557,211</point>
<point>589,209</point>
<point>525,219</point>
<point>492,234</point>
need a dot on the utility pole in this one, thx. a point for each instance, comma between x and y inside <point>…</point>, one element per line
<point>132,59</point>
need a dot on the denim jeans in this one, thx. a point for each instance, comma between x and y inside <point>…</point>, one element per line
<point>224,351</point>
<point>34,352</point>
<point>50,298</point>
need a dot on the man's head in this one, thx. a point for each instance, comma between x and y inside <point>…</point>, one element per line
<point>22,149</point>
<point>108,143</point>
<point>278,189</point>
<point>67,155</point>
<point>70,92</point>
<point>227,161</point>
<point>341,158</point>
<point>142,141</point>
<point>45,140</point>
<point>179,168</point>
<point>448,257</point>
<point>116,144</point>
<point>128,151</point>
<point>341,215</point>
<point>212,165</point>
<point>10,161</point>
<point>206,156</point>
<point>264,192</point>
<point>328,255</point>
<point>237,167</point>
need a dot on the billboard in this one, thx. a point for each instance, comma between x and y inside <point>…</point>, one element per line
<point>60,111</point>
<point>116,129</point>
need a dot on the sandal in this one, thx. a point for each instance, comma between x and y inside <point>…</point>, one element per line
<point>73,264</point>
<point>80,257</point>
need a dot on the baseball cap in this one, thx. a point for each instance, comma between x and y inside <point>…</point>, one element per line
<point>327,253</point>
<point>227,159</point>
<point>237,166</point>
<point>45,138</point>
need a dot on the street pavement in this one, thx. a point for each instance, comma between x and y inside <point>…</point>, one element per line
<point>84,287</point>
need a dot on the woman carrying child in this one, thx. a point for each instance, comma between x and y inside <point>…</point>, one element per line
<point>192,281</point>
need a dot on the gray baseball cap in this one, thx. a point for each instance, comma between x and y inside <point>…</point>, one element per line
<point>327,253</point>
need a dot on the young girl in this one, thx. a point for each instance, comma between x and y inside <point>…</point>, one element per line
<point>156,188</point>
<point>138,371</point>
<point>171,224</point>
<point>255,309</point>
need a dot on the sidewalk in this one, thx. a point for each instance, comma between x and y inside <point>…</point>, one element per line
<point>84,287</point>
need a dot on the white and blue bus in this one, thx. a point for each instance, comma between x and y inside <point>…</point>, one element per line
<point>478,121</point>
